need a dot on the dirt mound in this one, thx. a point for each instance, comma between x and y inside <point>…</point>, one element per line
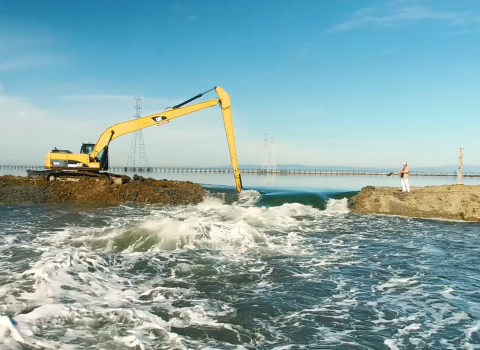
<point>457,202</point>
<point>21,190</point>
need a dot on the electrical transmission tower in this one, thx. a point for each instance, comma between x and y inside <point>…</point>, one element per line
<point>266,153</point>
<point>137,157</point>
<point>273,162</point>
<point>269,164</point>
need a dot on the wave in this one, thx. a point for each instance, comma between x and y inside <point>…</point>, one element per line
<point>242,225</point>
<point>276,198</point>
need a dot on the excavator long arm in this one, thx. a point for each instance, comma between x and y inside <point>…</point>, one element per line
<point>228,121</point>
<point>120,129</point>
<point>127,127</point>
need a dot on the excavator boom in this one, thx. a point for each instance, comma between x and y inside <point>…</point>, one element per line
<point>93,159</point>
<point>127,127</point>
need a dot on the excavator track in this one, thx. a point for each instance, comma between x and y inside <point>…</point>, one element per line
<point>75,175</point>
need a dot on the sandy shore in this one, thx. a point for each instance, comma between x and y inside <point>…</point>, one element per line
<point>455,202</point>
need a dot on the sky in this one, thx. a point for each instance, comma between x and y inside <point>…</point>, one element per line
<point>340,82</point>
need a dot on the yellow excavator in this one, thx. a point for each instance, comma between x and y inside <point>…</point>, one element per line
<point>94,157</point>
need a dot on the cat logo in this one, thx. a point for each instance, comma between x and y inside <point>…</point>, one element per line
<point>158,119</point>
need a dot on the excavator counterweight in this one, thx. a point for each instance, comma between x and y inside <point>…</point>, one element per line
<point>94,157</point>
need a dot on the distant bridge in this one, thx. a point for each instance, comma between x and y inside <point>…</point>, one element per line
<point>251,171</point>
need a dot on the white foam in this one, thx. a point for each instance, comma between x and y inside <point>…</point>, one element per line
<point>391,344</point>
<point>247,198</point>
<point>472,329</point>
<point>337,206</point>
<point>397,282</point>
<point>213,224</point>
<point>9,333</point>
<point>131,341</point>
<point>43,312</point>
<point>447,293</point>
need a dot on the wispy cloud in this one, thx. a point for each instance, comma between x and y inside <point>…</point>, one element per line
<point>22,48</point>
<point>367,11</point>
<point>15,41</point>
<point>457,33</point>
<point>394,16</point>
<point>396,3</point>
<point>28,62</point>
<point>193,17</point>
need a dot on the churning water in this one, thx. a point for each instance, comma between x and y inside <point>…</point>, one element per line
<point>271,270</point>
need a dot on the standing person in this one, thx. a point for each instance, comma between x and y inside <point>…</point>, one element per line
<point>404,175</point>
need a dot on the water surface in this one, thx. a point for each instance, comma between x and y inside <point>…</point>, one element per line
<point>282,266</point>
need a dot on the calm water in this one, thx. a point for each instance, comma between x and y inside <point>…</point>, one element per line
<point>304,182</point>
<point>282,266</point>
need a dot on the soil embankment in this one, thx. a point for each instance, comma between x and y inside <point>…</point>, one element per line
<point>22,190</point>
<point>457,202</point>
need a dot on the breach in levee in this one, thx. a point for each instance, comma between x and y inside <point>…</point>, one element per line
<point>94,157</point>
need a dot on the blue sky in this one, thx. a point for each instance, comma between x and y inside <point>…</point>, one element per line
<point>342,82</point>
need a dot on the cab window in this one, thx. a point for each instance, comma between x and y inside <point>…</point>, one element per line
<point>86,149</point>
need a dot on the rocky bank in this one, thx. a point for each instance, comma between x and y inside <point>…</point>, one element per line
<point>22,190</point>
<point>458,202</point>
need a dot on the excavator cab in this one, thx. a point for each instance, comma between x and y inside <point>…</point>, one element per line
<point>87,148</point>
<point>102,157</point>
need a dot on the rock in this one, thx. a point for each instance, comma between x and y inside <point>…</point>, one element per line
<point>457,202</point>
<point>21,190</point>
<point>138,178</point>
